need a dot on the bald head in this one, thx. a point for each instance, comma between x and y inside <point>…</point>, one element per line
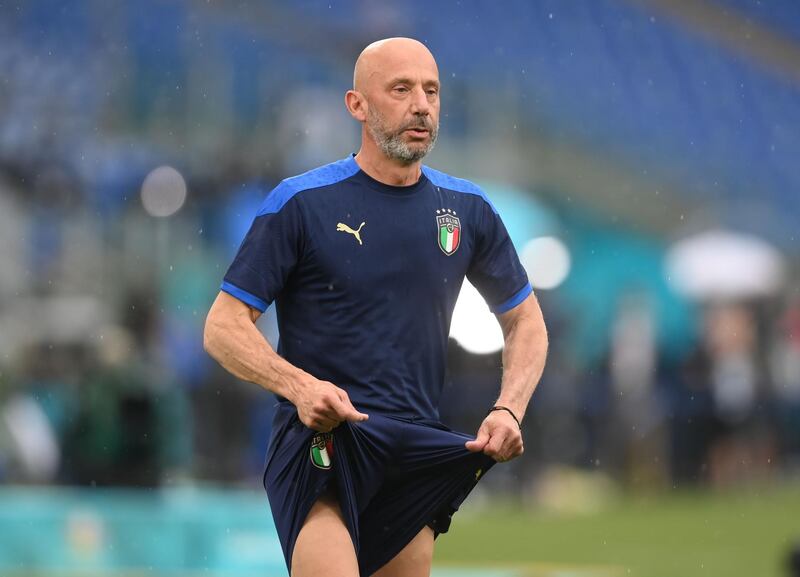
<point>383,58</point>
<point>395,96</point>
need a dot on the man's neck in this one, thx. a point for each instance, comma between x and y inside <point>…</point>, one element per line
<point>386,170</point>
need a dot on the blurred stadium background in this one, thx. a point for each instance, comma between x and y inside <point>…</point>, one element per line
<point>643,154</point>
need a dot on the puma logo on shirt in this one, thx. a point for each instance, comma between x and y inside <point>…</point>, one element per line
<point>356,233</point>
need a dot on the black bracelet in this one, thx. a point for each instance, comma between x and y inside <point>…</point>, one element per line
<point>509,411</point>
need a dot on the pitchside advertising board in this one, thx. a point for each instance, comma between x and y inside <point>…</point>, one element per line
<point>174,532</point>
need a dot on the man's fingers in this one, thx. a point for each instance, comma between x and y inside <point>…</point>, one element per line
<point>510,447</point>
<point>347,411</point>
<point>479,443</point>
<point>321,422</point>
<point>325,425</point>
<point>495,445</point>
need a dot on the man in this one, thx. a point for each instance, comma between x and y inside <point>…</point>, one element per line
<point>365,258</point>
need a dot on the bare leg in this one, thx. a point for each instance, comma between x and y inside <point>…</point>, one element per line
<point>414,560</point>
<point>324,546</point>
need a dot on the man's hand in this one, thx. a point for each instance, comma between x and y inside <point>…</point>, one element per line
<point>323,406</point>
<point>499,437</point>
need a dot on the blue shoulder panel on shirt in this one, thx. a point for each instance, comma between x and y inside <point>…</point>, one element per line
<point>439,178</point>
<point>322,176</point>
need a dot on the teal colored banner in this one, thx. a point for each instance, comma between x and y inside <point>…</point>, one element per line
<point>169,532</point>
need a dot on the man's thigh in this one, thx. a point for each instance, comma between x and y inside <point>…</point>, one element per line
<point>414,560</point>
<point>324,546</point>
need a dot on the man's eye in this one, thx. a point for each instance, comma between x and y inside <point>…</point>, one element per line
<point>400,89</point>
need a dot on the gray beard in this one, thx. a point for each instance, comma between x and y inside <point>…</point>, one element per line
<point>392,143</point>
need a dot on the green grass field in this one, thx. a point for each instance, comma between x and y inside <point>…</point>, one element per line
<point>737,534</point>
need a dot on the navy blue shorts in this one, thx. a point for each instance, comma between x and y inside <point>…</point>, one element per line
<point>392,476</point>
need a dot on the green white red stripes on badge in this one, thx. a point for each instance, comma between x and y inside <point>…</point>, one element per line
<point>322,450</point>
<point>448,238</point>
<point>449,230</point>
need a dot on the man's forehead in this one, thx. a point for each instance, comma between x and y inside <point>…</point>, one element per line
<point>397,57</point>
<point>398,71</point>
<point>407,74</point>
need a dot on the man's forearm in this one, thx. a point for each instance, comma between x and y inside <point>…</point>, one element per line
<point>232,339</point>
<point>241,349</point>
<point>523,357</point>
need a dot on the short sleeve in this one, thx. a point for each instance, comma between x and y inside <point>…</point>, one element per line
<point>267,255</point>
<point>495,269</point>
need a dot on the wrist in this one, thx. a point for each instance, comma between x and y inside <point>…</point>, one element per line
<point>291,383</point>
<point>515,407</point>
<point>502,408</point>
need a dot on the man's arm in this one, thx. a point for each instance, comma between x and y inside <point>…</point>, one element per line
<point>523,362</point>
<point>232,339</point>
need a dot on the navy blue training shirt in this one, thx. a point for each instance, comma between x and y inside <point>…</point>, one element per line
<point>365,277</point>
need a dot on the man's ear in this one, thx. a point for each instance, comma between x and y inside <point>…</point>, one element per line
<point>356,105</point>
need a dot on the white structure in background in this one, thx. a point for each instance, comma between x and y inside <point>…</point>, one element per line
<point>163,191</point>
<point>33,439</point>
<point>724,265</point>
<point>547,261</point>
<point>473,325</point>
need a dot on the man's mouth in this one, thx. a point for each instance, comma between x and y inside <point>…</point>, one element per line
<point>418,132</point>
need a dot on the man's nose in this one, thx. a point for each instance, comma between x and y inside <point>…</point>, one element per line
<point>419,101</point>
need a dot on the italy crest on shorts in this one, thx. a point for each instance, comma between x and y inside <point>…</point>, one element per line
<point>322,450</point>
<point>449,230</point>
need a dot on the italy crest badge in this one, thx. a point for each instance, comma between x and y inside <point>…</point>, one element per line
<point>322,450</point>
<point>449,230</point>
